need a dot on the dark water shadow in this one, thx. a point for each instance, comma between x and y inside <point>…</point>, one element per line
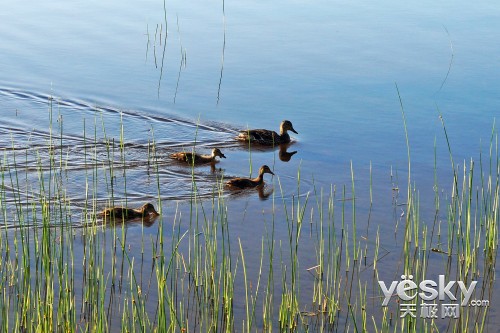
<point>284,154</point>
<point>264,192</point>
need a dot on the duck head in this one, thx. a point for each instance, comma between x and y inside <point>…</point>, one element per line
<point>265,169</point>
<point>286,125</point>
<point>148,209</point>
<point>217,152</point>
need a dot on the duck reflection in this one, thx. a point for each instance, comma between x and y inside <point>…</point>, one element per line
<point>284,154</point>
<point>216,170</point>
<point>263,191</point>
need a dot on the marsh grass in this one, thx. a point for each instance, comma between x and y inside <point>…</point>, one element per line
<point>62,269</point>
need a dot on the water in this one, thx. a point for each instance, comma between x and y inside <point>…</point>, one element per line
<point>332,68</point>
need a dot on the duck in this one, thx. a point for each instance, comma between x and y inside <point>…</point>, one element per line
<point>146,211</point>
<point>242,183</point>
<point>268,137</point>
<point>193,158</point>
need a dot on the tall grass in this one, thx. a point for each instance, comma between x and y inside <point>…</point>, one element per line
<point>62,269</point>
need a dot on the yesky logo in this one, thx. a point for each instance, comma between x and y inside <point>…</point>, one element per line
<point>430,291</point>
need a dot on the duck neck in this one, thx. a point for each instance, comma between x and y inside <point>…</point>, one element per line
<point>284,136</point>
<point>259,179</point>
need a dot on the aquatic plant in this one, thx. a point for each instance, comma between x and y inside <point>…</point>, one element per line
<point>62,269</point>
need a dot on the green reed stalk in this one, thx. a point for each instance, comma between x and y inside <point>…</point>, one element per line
<point>334,264</point>
<point>354,239</point>
<point>246,327</point>
<point>267,311</point>
<point>318,294</point>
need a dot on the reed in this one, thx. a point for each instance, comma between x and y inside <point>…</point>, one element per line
<point>62,269</point>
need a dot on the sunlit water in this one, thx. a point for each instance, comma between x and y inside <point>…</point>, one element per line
<point>333,68</point>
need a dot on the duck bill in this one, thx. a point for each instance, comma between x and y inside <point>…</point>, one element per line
<point>223,156</point>
<point>294,131</point>
<point>272,173</point>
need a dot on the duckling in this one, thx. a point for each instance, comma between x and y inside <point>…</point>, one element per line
<point>268,137</point>
<point>241,183</point>
<point>197,158</point>
<point>146,211</point>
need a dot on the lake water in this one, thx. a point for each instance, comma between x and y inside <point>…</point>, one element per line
<point>333,68</point>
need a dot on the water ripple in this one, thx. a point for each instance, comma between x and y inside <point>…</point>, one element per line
<point>91,163</point>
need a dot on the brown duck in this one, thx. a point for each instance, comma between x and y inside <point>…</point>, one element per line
<point>146,211</point>
<point>241,183</point>
<point>268,137</point>
<point>192,158</point>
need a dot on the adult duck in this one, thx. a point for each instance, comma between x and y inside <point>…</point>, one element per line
<point>193,158</point>
<point>268,137</point>
<point>146,211</point>
<point>242,183</point>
